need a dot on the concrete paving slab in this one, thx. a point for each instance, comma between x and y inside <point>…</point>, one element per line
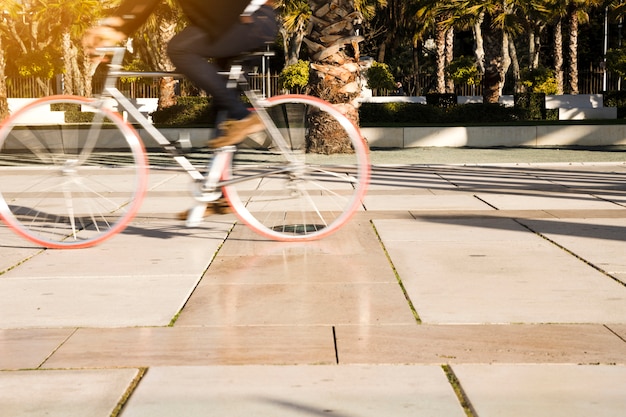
<point>492,178</point>
<point>169,192</point>
<point>166,180</point>
<point>544,390</point>
<point>166,206</point>
<point>103,301</point>
<point>577,214</point>
<point>158,247</point>
<point>294,391</point>
<point>76,393</point>
<point>449,344</point>
<point>343,279</point>
<point>551,201</point>
<point>198,346</point>
<point>455,229</point>
<point>27,349</point>
<point>498,280</point>
<point>14,249</point>
<point>598,178</point>
<point>352,255</point>
<point>293,268</point>
<point>296,304</point>
<point>380,202</point>
<point>601,242</point>
<point>409,179</point>
<point>356,238</point>
<point>141,277</point>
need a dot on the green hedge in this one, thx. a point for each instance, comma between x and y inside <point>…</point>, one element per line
<point>616,99</point>
<point>372,114</point>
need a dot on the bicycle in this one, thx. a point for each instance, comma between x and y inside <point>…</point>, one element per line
<point>74,184</point>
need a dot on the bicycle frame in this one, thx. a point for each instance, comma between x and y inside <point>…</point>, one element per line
<point>223,156</point>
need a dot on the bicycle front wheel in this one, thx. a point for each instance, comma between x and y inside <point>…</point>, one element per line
<point>72,172</point>
<point>305,176</point>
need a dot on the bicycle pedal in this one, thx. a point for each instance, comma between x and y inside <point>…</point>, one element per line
<point>195,215</point>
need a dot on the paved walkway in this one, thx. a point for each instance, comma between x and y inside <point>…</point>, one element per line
<point>482,290</point>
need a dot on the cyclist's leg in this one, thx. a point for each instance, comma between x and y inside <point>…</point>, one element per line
<point>190,49</point>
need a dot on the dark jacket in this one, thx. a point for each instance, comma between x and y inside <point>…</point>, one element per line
<point>214,16</point>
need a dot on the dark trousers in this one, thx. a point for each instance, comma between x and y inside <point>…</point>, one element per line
<point>191,49</point>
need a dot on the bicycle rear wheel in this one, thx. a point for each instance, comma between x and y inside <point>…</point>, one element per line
<point>72,173</point>
<point>298,192</point>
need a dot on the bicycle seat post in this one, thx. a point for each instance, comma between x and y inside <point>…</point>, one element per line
<point>234,75</point>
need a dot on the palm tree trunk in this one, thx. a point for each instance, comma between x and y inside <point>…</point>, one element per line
<point>167,85</point>
<point>68,78</point>
<point>558,56</point>
<point>4,104</point>
<point>335,71</point>
<point>493,41</point>
<point>440,43</point>
<point>506,60</point>
<point>573,50</point>
<point>89,68</point>
<point>292,45</point>
<point>516,66</point>
<point>449,58</point>
<point>479,45</point>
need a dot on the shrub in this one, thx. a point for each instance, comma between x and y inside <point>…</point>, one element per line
<point>616,99</point>
<point>295,76</point>
<point>196,111</point>
<point>540,80</point>
<point>531,106</point>
<point>482,113</point>
<point>443,100</point>
<point>616,61</point>
<point>379,77</point>
<point>463,70</point>
<point>398,113</point>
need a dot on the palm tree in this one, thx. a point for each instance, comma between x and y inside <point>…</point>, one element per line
<point>438,15</point>
<point>4,104</point>
<point>29,41</point>
<point>151,42</point>
<point>534,15</point>
<point>295,16</point>
<point>335,73</point>
<point>492,16</point>
<point>394,30</point>
<point>557,11</point>
<point>577,13</point>
<point>68,21</point>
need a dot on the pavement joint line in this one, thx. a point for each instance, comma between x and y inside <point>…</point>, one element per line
<point>397,275</point>
<point>464,400</point>
<point>335,345</point>
<point>575,255</point>
<point>217,251</point>
<point>615,333</point>
<point>23,261</point>
<point>56,349</point>
<point>141,372</point>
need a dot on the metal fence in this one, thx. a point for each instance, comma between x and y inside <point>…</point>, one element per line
<point>590,81</point>
<point>28,87</point>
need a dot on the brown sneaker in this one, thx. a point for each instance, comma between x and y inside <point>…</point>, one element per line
<point>219,206</point>
<point>235,131</point>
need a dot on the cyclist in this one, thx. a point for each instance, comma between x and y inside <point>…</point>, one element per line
<point>217,30</point>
